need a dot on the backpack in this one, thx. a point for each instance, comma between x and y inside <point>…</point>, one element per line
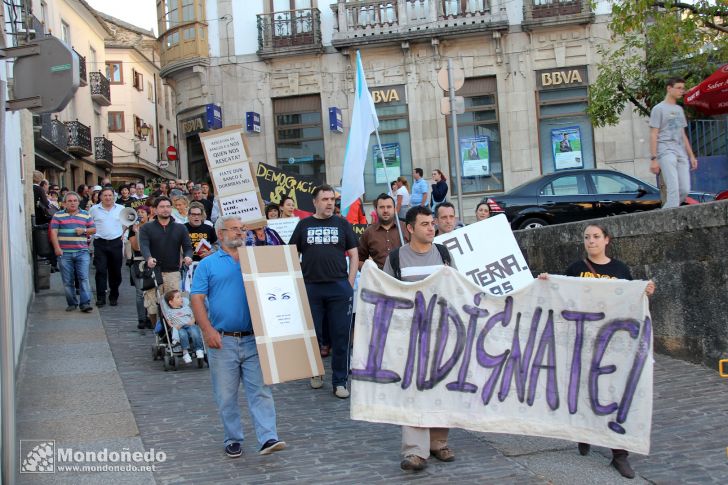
<point>394,259</point>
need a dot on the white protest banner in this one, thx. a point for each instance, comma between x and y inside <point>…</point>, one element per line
<point>566,358</point>
<point>246,205</point>
<point>284,227</point>
<point>233,179</point>
<point>224,147</point>
<point>488,255</point>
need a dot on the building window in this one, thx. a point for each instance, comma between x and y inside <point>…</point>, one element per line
<point>138,126</point>
<point>114,72</point>
<point>188,10</point>
<point>390,103</point>
<point>65,33</point>
<point>299,137</point>
<point>189,33</point>
<point>172,39</point>
<point>151,136</point>
<point>116,121</point>
<point>138,80</point>
<point>566,136</point>
<point>161,137</point>
<point>150,91</point>
<point>479,143</point>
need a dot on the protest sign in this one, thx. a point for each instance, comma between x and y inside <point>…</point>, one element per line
<point>566,358</point>
<point>284,333</point>
<point>140,202</point>
<point>487,253</point>
<point>274,184</point>
<point>232,175</point>
<point>359,229</point>
<point>284,227</point>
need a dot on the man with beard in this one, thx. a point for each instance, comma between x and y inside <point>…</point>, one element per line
<point>160,242</point>
<point>380,238</point>
<point>108,247</point>
<point>228,332</point>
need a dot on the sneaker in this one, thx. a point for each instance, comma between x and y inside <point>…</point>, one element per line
<point>100,303</point>
<point>186,357</point>
<point>621,463</point>
<point>70,308</point>
<point>443,454</point>
<point>317,382</point>
<point>86,308</point>
<point>584,449</point>
<point>341,392</point>
<point>272,446</point>
<point>142,324</point>
<point>413,462</point>
<point>200,354</point>
<point>113,302</point>
<point>233,450</point>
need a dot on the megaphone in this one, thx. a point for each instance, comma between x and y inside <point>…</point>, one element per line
<point>127,216</point>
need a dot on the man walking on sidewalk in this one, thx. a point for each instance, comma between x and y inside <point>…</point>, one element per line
<point>161,242</point>
<point>414,262</point>
<point>672,155</point>
<point>324,240</point>
<point>108,248</point>
<point>228,332</point>
<point>70,229</point>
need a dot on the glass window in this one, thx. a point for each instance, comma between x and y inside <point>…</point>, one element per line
<point>188,10</point>
<point>299,138</point>
<point>172,39</point>
<point>114,72</point>
<point>614,184</point>
<point>116,121</point>
<point>567,185</point>
<point>65,33</point>
<point>189,33</point>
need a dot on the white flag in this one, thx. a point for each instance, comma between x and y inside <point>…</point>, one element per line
<point>363,122</point>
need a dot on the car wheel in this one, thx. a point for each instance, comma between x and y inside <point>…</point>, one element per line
<point>533,223</point>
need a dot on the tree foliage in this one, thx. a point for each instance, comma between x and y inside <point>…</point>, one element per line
<point>650,42</point>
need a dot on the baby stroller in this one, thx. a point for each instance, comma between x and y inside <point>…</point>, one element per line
<point>164,348</point>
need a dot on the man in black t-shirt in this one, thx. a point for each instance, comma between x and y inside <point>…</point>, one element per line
<point>324,240</point>
<point>198,230</point>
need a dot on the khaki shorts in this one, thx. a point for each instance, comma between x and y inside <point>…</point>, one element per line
<point>171,282</point>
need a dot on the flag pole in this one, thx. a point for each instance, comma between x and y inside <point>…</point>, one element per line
<point>386,176</point>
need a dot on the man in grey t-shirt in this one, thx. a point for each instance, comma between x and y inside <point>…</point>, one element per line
<point>669,145</point>
<point>416,261</point>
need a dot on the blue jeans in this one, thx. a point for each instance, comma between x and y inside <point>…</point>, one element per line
<point>238,360</point>
<point>73,266</point>
<point>331,308</point>
<point>191,332</point>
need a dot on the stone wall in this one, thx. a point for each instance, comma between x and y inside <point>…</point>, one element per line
<point>684,251</point>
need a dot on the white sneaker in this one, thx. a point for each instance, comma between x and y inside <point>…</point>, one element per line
<point>341,392</point>
<point>186,357</point>
<point>317,382</point>
<point>200,354</point>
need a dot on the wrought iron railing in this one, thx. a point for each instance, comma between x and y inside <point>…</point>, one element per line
<point>79,138</point>
<point>51,131</point>
<point>291,28</point>
<point>104,150</point>
<point>100,89</point>
<point>82,68</point>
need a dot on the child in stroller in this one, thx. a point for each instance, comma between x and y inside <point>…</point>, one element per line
<point>179,316</point>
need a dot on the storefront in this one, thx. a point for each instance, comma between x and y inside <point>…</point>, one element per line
<point>566,136</point>
<point>299,136</point>
<point>479,141</point>
<point>390,103</point>
<point>191,127</point>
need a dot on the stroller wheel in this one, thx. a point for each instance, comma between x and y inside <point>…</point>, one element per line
<point>167,363</point>
<point>155,353</point>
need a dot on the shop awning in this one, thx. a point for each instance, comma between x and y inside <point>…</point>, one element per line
<point>710,97</point>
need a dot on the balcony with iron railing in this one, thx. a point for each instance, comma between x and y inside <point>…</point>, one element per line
<point>100,89</point>
<point>29,29</point>
<point>392,21</point>
<point>104,151</point>
<point>51,136</point>
<point>546,13</point>
<point>287,32</point>
<point>79,138</point>
<point>82,68</point>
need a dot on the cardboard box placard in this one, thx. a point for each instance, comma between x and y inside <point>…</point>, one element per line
<point>282,322</point>
<point>235,186</point>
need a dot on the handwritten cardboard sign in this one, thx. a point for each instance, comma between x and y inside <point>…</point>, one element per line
<point>284,227</point>
<point>284,333</point>
<point>566,358</point>
<point>236,189</point>
<point>487,253</point>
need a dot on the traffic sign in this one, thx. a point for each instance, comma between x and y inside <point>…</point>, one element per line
<point>458,78</point>
<point>163,164</point>
<point>458,103</point>
<point>171,153</point>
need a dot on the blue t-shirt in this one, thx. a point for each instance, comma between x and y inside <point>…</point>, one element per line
<point>419,189</point>
<point>218,277</point>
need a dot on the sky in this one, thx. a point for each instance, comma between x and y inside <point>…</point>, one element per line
<point>142,13</point>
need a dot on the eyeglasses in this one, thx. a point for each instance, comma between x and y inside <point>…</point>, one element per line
<point>195,214</point>
<point>235,230</point>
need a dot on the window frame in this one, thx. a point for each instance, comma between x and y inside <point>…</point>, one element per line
<point>110,72</point>
<point>123,122</point>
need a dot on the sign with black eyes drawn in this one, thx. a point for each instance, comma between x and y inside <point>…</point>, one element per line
<point>284,332</point>
<point>488,255</point>
<point>567,358</point>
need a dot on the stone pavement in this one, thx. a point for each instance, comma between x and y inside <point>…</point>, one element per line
<point>74,391</point>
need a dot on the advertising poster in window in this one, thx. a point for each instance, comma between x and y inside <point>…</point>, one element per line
<point>475,156</point>
<point>566,146</point>
<point>393,159</point>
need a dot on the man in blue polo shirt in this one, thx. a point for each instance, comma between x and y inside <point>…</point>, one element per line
<point>228,332</point>
<point>419,189</point>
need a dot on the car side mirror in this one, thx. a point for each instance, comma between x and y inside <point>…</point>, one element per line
<point>641,192</point>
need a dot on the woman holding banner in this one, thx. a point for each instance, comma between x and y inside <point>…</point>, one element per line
<point>598,265</point>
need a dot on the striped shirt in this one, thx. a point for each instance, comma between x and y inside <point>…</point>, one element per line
<point>66,225</point>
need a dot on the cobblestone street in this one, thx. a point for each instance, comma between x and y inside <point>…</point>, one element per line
<point>175,412</point>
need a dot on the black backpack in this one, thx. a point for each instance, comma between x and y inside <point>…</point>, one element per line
<point>394,259</point>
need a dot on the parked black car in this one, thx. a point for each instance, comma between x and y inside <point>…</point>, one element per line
<point>577,195</point>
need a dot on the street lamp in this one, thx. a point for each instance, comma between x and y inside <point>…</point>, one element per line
<point>144,131</point>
